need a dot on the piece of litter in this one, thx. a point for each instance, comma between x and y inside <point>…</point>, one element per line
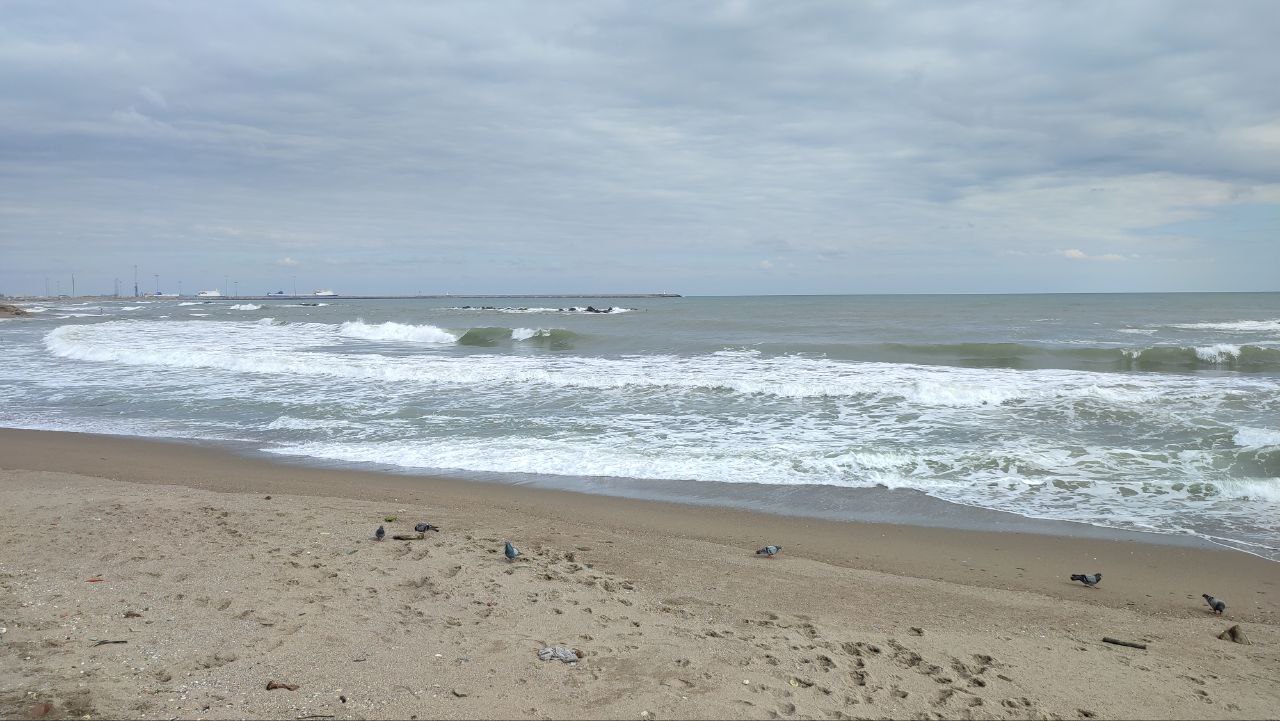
<point>560,653</point>
<point>439,655</point>
<point>746,682</point>
<point>273,685</point>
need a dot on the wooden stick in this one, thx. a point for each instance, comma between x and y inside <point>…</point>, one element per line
<point>1118,642</point>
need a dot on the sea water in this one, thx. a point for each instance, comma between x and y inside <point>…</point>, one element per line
<point>1143,412</point>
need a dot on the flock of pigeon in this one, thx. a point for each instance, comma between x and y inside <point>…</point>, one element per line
<point>1217,605</point>
<point>1091,580</point>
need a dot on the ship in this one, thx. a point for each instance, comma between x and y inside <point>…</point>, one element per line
<point>324,293</point>
<point>209,294</point>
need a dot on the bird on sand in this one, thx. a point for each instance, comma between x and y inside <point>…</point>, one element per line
<point>424,527</point>
<point>1216,604</point>
<point>510,551</point>
<point>769,551</point>
<point>380,534</point>
<point>1090,580</point>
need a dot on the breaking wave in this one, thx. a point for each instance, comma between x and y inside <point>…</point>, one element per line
<point>396,332</point>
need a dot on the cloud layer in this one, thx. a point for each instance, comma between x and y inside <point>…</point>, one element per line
<point>698,147</point>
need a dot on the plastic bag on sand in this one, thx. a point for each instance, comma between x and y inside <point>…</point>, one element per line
<point>559,653</point>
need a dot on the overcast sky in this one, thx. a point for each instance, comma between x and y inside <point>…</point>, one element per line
<point>693,147</point>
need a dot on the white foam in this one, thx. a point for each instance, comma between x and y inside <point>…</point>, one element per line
<point>198,315</point>
<point>527,333</point>
<point>245,306</point>
<point>1218,353</point>
<point>1247,437</point>
<point>193,302</point>
<point>571,309</point>
<point>738,372</point>
<point>1137,331</point>
<point>1014,440</point>
<point>396,332</point>
<point>131,307</point>
<point>304,424</point>
<point>1265,326</point>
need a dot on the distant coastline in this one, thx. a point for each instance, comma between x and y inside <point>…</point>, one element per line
<point>340,296</point>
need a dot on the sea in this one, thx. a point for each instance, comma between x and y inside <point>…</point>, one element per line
<point>1155,413</point>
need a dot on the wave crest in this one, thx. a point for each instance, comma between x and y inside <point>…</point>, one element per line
<point>398,332</point>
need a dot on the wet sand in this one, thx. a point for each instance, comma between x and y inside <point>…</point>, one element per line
<point>669,604</point>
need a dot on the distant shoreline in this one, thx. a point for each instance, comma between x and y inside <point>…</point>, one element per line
<point>47,298</point>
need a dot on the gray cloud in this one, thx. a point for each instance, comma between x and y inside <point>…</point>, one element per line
<point>702,147</point>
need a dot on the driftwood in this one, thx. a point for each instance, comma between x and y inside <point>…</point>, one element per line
<point>1118,642</point>
<point>103,643</point>
<point>273,685</point>
<point>1236,634</point>
<point>407,537</point>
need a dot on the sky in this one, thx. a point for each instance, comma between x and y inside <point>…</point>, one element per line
<point>704,148</point>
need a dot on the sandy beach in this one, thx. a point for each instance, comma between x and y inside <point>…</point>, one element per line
<point>219,589</point>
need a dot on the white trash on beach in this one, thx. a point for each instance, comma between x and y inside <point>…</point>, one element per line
<point>560,653</point>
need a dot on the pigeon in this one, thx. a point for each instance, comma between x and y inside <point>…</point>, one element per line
<point>510,551</point>
<point>1089,580</point>
<point>424,527</point>
<point>1217,604</point>
<point>380,534</point>
<point>769,551</point>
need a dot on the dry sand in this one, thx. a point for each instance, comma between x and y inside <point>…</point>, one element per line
<point>219,590</point>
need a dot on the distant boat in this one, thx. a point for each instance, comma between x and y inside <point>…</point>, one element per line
<point>325,293</point>
<point>209,294</point>
<point>278,292</point>
<point>158,294</point>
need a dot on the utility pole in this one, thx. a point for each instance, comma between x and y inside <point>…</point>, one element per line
<point>179,289</point>
<point>73,285</point>
<point>117,288</point>
<point>135,281</point>
<point>46,287</point>
<point>157,277</point>
<point>226,286</point>
<point>237,289</point>
<point>295,285</point>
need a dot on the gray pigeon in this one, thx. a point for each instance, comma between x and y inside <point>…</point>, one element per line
<point>510,551</point>
<point>1217,604</point>
<point>424,527</point>
<point>1089,580</point>
<point>769,551</point>
<point>380,534</point>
